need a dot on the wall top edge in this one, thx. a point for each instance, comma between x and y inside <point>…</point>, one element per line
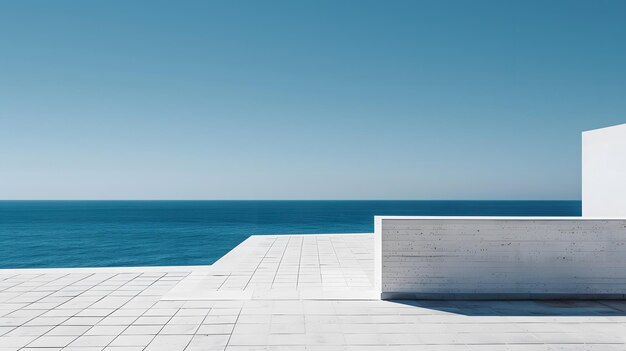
<point>502,218</point>
<point>623,125</point>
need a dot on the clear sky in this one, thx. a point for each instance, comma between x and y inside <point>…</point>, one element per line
<point>305,99</point>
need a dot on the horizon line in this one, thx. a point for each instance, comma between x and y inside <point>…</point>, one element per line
<point>290,199</point>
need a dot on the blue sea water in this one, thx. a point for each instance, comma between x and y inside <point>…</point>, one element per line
<point>155,233</point>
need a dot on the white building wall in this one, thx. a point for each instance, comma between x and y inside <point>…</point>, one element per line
<point>604,172</point>
<point>500,257</point>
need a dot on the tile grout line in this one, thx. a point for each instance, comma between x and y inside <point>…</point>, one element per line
<point>280,262</point>
<point>234,326</point>
<point>299,263</point>
<point>319,262</point>
<point>338,261</point>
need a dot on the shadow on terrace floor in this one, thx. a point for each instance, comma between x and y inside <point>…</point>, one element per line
<point>547,308</point>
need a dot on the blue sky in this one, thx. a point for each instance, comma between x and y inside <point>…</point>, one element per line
<point>304,99</point>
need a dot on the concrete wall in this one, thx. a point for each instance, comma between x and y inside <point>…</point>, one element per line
<point>604,172</point>
<point>500,257</point>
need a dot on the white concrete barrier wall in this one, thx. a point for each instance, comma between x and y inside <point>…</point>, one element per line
<point>604,172</point>
<point>500,257</point>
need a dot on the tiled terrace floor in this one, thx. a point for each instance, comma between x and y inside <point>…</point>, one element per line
<point>329,266</point>
<point>123,309</point>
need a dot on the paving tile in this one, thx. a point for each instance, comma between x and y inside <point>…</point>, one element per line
<point>128,312</point>
<point>179,329</point>
<point>106,330</point>
<point>142,330</point>
<point>244,328</point>
<point>215,329</point>
<point>93,312</point>
<point>82,321</point>
<point>151,320</point>
<point>117,320</point>
<point>29,331</point>
<point>168,312</point>
<point>16,341</point>
<point>186,320</point>
<point>207,343</point>
<point>52,341</point>
<point>132,340</point>
<point>287,328</point>
<point>46,321</point>
<point>68,330</point>
<point>93,340</point>
<point>287,339</point>
<point>169,343</point>
<point>249,339</point>
<point>232,319</point>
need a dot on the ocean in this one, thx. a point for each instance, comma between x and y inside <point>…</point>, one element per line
<point>45,234</point>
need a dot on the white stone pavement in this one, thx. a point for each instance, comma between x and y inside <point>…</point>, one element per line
<point>326,266</point>
<point>144,308</point>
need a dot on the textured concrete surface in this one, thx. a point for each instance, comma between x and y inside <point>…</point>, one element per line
<point>123,309</point>
<point>502,257</point>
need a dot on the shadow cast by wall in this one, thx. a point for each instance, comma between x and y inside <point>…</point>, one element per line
<point>547,308</point>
